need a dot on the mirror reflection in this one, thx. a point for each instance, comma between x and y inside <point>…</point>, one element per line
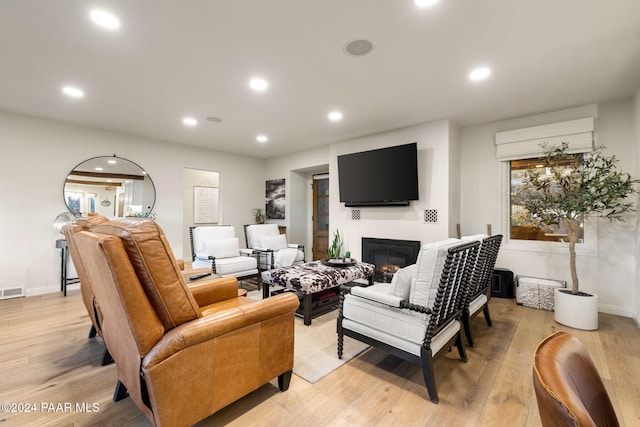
<point>110,186</point>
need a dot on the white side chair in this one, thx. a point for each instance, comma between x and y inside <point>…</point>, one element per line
<point>273,249</point>
<point>217,247</point>
<point>416,317</point>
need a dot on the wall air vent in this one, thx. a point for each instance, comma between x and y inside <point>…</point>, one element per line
<point>6,293</point>
<point>431,216</point>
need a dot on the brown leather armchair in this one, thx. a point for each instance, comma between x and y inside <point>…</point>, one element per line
<point>181,352</point>
<point>568,387</point>
<point>88,299</point>
<point>87,224</point>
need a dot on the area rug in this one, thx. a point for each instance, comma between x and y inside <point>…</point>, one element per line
<point>316,346</point>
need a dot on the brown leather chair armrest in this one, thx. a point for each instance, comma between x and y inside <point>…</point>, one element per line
<point>209,327</point>
<point>208,292</point>
<point>180,263</point>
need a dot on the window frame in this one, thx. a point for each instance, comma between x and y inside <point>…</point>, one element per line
<point>588,248</point>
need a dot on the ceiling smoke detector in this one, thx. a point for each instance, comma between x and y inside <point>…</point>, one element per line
<point>358,47</point>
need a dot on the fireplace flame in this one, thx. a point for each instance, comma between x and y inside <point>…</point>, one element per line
<point>389,268</point>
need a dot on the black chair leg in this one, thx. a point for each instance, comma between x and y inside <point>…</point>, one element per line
<point>92,331</point>
<point>427,373</point>
<point>487,317</point>
<point>284,380</point>
<point>106,358</point>
<point>461,351</point>
<point>120,392</point>
<point>466,323</point>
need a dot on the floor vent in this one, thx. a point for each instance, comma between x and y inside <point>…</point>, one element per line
<point>6,293</point>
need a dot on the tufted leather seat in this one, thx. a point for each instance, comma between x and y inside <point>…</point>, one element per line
<point>568,387</point>
<point>181,352</point>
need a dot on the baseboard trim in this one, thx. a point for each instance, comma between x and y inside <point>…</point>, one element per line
<point>29,292</point>
<point>618,311</point>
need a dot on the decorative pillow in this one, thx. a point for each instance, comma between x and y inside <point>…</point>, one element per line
<point>222,248</point>
<point>276,242</point>
<point>401,281</point>
<point>429,268</point>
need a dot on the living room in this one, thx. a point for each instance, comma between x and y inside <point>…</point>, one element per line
<point>459,177</point>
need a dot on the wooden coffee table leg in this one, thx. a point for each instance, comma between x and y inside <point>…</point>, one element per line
<point>306,309</point>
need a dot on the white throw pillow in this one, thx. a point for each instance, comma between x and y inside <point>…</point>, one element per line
<point>401,281</point>
<point>429,268</point>
<point>222,248</point>
<point>276,242</point>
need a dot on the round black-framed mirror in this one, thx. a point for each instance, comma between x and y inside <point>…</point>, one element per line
<point>111,186</point>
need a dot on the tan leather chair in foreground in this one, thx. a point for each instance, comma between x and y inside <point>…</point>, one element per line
<point>181,352</point>
<point>88,299</point>
<point>568,387</point>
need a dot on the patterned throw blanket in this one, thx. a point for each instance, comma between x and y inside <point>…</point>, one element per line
<point>313,277</point>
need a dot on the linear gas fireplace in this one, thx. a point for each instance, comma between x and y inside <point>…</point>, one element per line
<point>389,255</point>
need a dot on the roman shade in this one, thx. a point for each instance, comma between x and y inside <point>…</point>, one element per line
<point>525,143</point>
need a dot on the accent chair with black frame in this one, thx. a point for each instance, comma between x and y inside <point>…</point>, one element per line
<point>272,247</point>
<point>417,317</point>
<point>217,247</point>
<point>479,295</point>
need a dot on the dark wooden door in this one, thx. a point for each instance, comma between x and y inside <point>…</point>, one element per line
<point>320,218</point>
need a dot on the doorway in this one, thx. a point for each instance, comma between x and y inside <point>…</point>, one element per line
<point>320,216</point>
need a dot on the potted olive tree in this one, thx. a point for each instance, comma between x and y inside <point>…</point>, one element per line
<point>568,189</point>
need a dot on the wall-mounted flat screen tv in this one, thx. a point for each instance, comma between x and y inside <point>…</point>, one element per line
<point>383,177</point>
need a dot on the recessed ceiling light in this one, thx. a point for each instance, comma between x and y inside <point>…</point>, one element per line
<point>189,121</point>
<point>335,116</point>
<point>258,84</point>
<point>105,19</point>
<point>112,162</point>
<point>73,92</point>
<point>479,74</point>
<point>425,3</point>
<point>262,138</point>
<point>358,47</point>
<point>99,169</point>
<point>214,119</point>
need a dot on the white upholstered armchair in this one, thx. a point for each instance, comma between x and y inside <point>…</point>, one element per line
<point>273,248</point>
<point>217,247</point>
<point>416,317</point>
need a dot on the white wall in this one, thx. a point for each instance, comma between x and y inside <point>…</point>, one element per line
<point>636,122</point>
<point>200,178</point>
<point>611,274</point>
<point>36,157</point>
<point>398,222</point>
<point>297,191</point>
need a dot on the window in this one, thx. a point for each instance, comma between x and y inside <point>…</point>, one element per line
<point>519,150</point>
<point>521,225</point>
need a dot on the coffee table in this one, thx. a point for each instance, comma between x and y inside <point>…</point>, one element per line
<point>313,277</point>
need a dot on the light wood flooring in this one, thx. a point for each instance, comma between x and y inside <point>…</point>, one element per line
<point>46,358</point>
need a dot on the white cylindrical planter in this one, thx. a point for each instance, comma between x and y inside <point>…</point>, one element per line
<point>576,311</point>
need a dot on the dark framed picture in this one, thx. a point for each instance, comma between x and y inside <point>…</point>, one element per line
<point>274,200</point>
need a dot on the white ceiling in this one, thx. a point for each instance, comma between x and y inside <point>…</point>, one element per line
<point>175,58</point>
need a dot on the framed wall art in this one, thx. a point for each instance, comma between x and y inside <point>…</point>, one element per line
<point>205,205</point>
<point>274,200</point>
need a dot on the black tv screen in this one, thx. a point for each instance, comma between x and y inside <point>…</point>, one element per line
<point>383,177</point>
